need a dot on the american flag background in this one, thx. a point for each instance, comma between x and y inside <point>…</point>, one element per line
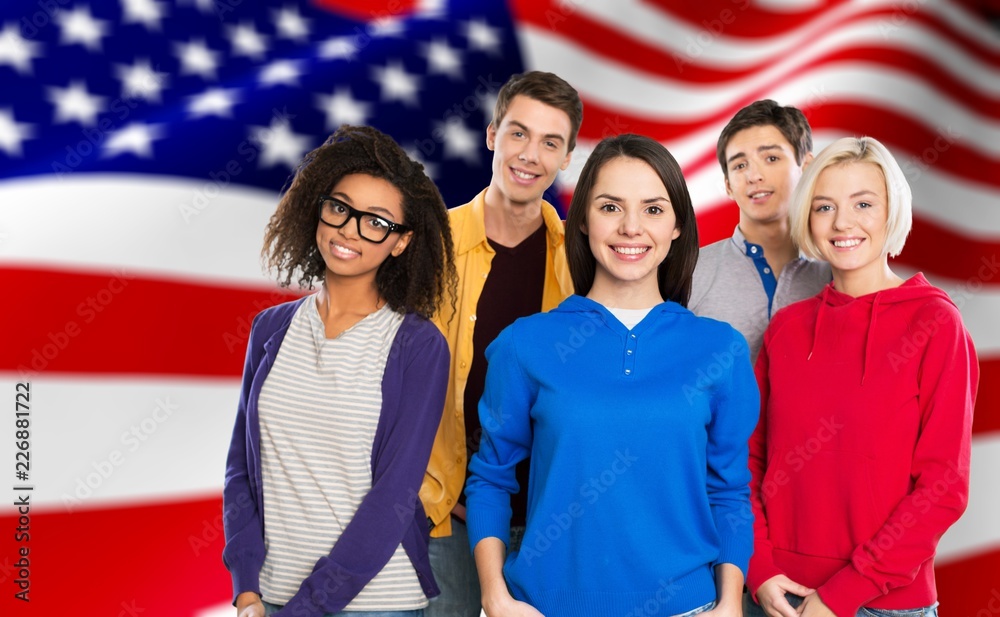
<point>144,143</point>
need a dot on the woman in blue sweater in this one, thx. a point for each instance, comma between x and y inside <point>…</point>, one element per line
<point>635,413</point>
<point>342,392</point>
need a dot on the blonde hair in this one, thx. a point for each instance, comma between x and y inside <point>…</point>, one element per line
<point>854,150</point>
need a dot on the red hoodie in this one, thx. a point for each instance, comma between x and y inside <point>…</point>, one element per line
<point>860,460</point>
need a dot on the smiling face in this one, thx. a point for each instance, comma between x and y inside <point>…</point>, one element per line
<point>346,253</point>
<point>530,146</point>
<point>630,224</point>
<point>847,220</point>
<point>761,174</point>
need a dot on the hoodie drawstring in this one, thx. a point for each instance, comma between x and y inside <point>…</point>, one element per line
<point>871,335</point>
<point>819,318</point>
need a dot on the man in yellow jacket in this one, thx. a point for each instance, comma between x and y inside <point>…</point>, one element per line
<point>511,263</point>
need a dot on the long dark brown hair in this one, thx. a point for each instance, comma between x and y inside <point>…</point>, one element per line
<point>675,272</point>
<point>417,279</point>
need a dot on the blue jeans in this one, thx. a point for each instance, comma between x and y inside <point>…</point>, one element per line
<point>752,609</point>
<point>699,610</point>
<point>270,609</point>
<point>455,572</point>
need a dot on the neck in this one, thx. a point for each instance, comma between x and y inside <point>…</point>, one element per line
<point>625,294</point>
<point>775,238</point>
<point>348,296</point>
<point>857,283</point>
<point>508,222</point>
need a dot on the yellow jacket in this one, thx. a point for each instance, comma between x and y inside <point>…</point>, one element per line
<point>445,474</point>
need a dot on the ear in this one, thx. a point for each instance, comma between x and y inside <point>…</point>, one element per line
<point>808,158</point>
<point>729,189</point>
<point>565,163</point>
<point>676,234</point>
<point>491,137</point>
<point>401,244</point>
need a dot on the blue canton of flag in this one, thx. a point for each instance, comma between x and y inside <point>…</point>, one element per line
<point>239,91</point>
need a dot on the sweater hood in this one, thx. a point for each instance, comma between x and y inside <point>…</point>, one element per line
<point>914,289</point>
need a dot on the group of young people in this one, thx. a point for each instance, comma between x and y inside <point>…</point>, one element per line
<point>489,409</point>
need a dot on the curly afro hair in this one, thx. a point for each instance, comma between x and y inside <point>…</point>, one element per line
<point>415,281</point>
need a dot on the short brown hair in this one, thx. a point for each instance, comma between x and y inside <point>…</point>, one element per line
<point>546,88</point>
<point>790,121</point>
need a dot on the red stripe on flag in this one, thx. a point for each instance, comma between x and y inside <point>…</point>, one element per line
<point>617,45</point>
<point>121,323</point>
<point>158,560</point>
<point>968,587</point>
<point>367,10</point>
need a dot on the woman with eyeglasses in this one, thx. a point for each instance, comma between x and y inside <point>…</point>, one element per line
<point>342,391</point>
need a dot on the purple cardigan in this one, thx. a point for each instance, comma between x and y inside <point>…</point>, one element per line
<point>413,391</point>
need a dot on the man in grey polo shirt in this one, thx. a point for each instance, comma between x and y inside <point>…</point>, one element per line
<point>745,279</point>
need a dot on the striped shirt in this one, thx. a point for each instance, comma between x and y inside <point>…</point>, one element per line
<point>319,410</point>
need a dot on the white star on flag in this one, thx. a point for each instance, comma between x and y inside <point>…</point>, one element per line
<point>247,41</point>
<point>141,81</point>
<point>291,25</point>
<point>459,140</point>
<point>146,12</point>
<point>213,102</point>
<point>197,59</point>
<point>15,50</point>
<point>136,138</point>
<point>279,144</point>
<point>482,36</point>
<point>342,108</point>
<point>285,72</point>
<point>442,58</point>
<point>396,83</point>
<point>338,47</point>
<point>79,26</point>
<point>12,133</point>
<point>75,103</point>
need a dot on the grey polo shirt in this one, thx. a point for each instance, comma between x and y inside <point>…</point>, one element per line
<point>730,284</point>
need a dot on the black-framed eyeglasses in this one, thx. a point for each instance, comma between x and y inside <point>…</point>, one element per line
<point>371,227</point>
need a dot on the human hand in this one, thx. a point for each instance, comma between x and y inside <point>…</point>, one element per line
<point>248,604</point>
<point>813,606</point>
<point>771,596</point>
<point>504,605</point>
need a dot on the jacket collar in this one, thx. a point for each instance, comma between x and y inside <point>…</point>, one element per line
<point>470,230</point>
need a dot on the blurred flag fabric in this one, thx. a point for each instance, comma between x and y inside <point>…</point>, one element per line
<point>144,143</point>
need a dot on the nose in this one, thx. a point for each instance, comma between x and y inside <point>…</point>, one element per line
<point>843,219</point>
<point>631,223</point>
<point>351,229</point>
<point>753,173</point>
<point>529,153</point>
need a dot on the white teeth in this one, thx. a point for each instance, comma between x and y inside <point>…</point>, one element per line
<point>630,250</point>
<point>845,244</point>
<point>521,174</point>
<point>344,250</point>
<point>759,195</point>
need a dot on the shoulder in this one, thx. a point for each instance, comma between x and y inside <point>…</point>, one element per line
<point>813,270</point>
<point>419,332</point>
<point>711,255</point>
<point>275,318</point>
<point>796,313</point>
<point>714,332</point>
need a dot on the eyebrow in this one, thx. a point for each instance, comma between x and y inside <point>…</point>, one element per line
<point>649,200</point>
<point>373,210</point>
<point>546,136</point>
<point>851,196</point>
<point>763,148</point>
